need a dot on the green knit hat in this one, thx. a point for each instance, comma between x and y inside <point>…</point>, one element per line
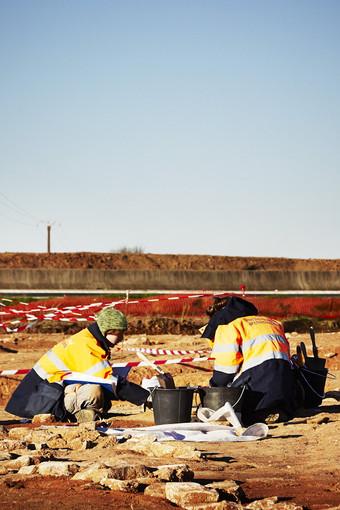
<point>110,318</point>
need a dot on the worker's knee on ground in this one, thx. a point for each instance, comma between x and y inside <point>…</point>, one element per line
<point>91,395</point>
<point>85,396</point>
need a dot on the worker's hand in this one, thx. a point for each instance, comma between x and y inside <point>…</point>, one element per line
<point>150,384</point>
<point>166,381</point>
<point>148,403</point>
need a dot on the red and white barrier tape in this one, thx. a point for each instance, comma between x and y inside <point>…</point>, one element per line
<point>176,352</point>
<point>15,372</point>
<point>76,313</point>
<point>127,364</point>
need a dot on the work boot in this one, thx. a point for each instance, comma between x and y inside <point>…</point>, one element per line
<point>85,415</point>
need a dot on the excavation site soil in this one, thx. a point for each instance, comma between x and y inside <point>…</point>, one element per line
<point>296,466</point>
<point>298,461</point>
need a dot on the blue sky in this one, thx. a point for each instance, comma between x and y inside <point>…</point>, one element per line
<point>182,126</point>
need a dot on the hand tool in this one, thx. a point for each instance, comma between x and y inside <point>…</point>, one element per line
<point>312,337</point>
<point>165,379</point>
<point>303,351</point>
<point>315,363</point>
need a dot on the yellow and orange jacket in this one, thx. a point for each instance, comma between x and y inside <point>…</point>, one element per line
<point>247,342</point>
<point>86,352</point>
<point>81,352</point>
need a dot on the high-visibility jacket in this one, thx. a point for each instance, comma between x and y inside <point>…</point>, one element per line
<point>247,342</point>
<point>86,352</point>
<point>81,352</point>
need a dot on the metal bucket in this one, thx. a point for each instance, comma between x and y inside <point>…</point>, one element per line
<point>172,405</point>
<point>214,398</point>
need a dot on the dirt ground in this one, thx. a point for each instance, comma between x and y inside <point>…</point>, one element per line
<point>298,461</point>
<point>152,261</point>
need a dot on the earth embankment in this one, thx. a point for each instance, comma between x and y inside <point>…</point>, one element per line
<point>152,261</point>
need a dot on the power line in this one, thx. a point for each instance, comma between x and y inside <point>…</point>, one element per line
<point>15,220</point>
<point>19,210</point>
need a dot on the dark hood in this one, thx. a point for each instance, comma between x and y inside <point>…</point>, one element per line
<point>95,331</point>
<point>235,308</point>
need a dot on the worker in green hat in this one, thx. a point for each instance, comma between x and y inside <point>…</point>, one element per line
<point>63,382</point>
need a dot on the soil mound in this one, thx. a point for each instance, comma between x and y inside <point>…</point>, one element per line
<point>152,261</point>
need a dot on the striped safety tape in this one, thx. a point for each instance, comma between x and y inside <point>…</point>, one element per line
<point>176,352</point>
<point>127,364</point>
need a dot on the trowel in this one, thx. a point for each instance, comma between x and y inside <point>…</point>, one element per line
<point>165,379</point>
<point>312,362</point>
<point>315,362</point>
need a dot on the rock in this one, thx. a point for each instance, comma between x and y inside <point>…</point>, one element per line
<point>90,425</point>
<point>46,456</point>
<point>148,447</point>
<point>227,489</point>
<point>94,473</point>
<point>41,436</point>
<point>74,438</point>
<point>28,470</point>
<point>80,444</point>
<point>10,444</point>
<point>121,485</point>
<point>57,468</point>
<point>21,433</point>
<point>5,456</point>
<point>68,433</point>
<point>56,442</point>
<point>128,471</point>
<point>16,464</point>
<point>156,490</point>
<point>174,473</point>
<point>3,470</point>
<point>43,418</point>
<point>189,493</point>
<point>285,505</point>
<point>107,442</point>
<point>145,481</point>
<point>220,505</point>
<point>81,432</point>
<point>74,444</point>
<point>263,504</point>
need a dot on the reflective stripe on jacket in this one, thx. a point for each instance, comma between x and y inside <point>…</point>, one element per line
<point>247,342</point>
<point>81,352</point>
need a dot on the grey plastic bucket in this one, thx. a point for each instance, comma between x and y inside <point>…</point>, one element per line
<point>214,398</point>
<point>172,406</point>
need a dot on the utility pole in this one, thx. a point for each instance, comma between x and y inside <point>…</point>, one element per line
<point>49,238</point>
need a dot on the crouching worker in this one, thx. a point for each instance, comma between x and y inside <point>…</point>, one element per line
<point>252,351</point>
<point>87,354</point>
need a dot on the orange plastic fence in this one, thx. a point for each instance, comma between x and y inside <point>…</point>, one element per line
<point>322,307</point>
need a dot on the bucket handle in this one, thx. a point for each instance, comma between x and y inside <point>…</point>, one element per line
<point>304,369</point>
<point>232,405</point>
<point>331,376</point>
<point>239,398</point>
<point>311,387</point>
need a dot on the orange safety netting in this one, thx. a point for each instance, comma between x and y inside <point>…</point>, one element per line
<point>80,308</point>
